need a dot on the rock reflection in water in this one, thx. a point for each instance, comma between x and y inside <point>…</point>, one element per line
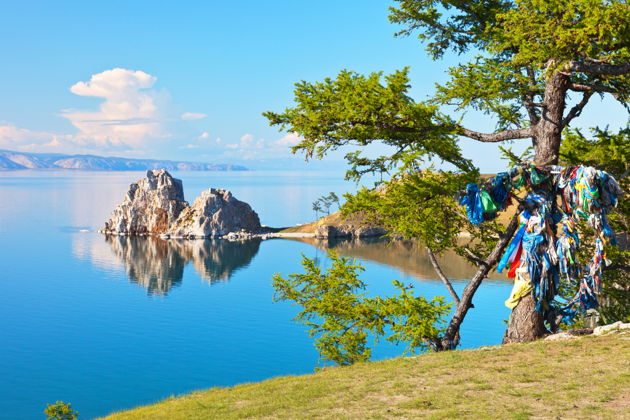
<point>158,265</point>
<point>407,256</point>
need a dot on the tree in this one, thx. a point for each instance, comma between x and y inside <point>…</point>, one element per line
<point>317,207</point>
<point>333,198</point>
<point>340,316</point>
<point>326,201</point>
<point>533,57</point>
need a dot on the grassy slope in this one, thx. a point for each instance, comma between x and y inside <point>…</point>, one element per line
<point>587,377</point>
<point>334,219</point>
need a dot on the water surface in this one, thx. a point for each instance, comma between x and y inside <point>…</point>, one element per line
<point>109,323</point>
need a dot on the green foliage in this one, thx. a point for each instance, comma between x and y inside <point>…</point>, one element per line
<point>530,57</point>
<point>317,207</point>
<point>333,198</point>
<point>421,205</point>
<point>358,110</point>
<point>60,411</point>
<point>489,86</point>
<point>447,25</point>
<point>513,159</point>
<point>341,317</point>
<point>606,150</point>
<point>536,31</point>
<point>325,202</point>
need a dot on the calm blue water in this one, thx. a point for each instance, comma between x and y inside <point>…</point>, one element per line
<point>109,324</point>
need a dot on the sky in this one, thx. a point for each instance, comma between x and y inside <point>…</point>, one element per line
<point>189,80</point>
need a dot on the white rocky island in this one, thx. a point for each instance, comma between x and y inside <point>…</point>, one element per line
<point>155,205</point>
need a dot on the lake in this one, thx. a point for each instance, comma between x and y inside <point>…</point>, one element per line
<point>109,323</point>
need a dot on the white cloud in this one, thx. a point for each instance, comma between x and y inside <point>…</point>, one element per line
<point>247,141</point>
<point>53,143</point>
<point>132,118</point>
<point>11,136</point>
<point>187,116</point>
<point>25,140</point>
<point>131,113</point>
<point>291,139</point>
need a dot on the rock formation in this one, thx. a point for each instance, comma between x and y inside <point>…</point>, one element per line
<point>155,206</point>
<point>349,231</point>
<point>150,206</point>
<point>215,213</point>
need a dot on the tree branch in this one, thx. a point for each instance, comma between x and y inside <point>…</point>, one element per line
<point>528,99</point>
<point>474,257</point>
<point>586,87</point>
<point>577,109</point>
<point>599,68</point>
<point>497,137</point>
<point>440,273</point>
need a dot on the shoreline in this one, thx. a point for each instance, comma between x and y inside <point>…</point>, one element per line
<point>232,236</point>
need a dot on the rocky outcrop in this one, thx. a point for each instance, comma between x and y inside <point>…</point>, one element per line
<point>614,327</point>
<point>155,205</point>
<point>151,206</point>
<point>348,231</point>
<point>215,213</point>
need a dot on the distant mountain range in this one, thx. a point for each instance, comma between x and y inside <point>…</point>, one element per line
<point>18,160</point>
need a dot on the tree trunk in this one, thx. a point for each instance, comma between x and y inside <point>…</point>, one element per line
<point>549,128</point>
<point>525,323</point>
<point>450,340</point>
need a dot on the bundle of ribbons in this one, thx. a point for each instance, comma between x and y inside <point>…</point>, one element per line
<point>544,249</point>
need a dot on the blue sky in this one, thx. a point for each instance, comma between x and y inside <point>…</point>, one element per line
<point>189,80</point>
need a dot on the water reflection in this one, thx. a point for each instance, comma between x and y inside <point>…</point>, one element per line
<point>158,265</point>
<point>406,256</point>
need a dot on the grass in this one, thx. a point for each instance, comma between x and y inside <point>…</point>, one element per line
<point>588,377</point>
<point>334,219</point>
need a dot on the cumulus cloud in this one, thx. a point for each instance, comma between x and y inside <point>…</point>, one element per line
<point>130,119</point>
<point>187,116</point>
<point>131,112</point>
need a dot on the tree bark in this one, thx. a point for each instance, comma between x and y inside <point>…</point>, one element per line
<point>526,324</point>
<point>549,128</point>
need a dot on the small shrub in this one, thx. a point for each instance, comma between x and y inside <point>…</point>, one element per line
<point>60,411</point>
